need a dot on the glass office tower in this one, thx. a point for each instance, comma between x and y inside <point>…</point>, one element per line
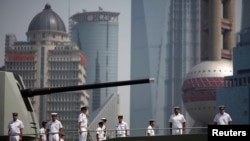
<point>164,45</point>
<point>97,35</point>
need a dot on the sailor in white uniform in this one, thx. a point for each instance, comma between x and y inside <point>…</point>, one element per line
<point>121,127</point>
<point>104,127</point>
<point>222,118</point>
<point>83,124</point>
<point>177,122</point>
<point>54,128</point>
<point>15,127</point>
<point>100,134</point>
<point>150,129</point>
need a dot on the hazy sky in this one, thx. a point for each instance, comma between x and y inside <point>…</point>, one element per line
<point>16,15</point>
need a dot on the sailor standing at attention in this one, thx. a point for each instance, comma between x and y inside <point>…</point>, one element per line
<point>15,127</point>
<point>43,132</point>
<point>222,118</point>
<point>121,127</point>
<point>100,132</point>
<point>150,130</point>
<point>177,122</point>
<point>54,128</point>
<point>83,124</point>
<point>104,127</point>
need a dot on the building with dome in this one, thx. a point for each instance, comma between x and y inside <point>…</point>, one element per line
<point>48,59</point>
<point>217,43</point>
<point>47,19</point>
<point>200,89</point>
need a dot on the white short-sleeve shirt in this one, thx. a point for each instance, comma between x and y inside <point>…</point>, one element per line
<point>105,132</point>
<point>83,119</point>
<point>222,119</point>
<point>150,130</point>
<point>15,126</point>
<point>54,126</point>
<point>121,129</point>
<point>177,123</point>
<point>42,133</point>
<point>100,132</point>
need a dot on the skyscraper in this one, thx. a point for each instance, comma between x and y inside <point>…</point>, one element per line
<point>217,42</point>
<point>183,50</point>
<point>245,18</point>
<point>48,59</point>
<point>96,33</point>
<point>164,45</point>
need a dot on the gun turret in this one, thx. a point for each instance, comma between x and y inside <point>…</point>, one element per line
<point>45,91</point>
<point>14,97</point>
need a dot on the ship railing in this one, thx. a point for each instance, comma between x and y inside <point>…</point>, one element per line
<point>138,132</point>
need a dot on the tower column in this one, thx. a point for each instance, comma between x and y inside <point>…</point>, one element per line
<point>215,37</point>
<point>229,14</point>
<point>204,29</point>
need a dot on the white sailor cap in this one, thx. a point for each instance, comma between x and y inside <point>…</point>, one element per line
<point>103,118</point>
<point>151,120</point>
<point>222,107</point>
<point>100,122</point>
<point>54,114</point>
<point>176,107</point>
<point>84,107</point>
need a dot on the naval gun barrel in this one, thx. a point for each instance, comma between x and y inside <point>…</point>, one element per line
<point>45,91</point>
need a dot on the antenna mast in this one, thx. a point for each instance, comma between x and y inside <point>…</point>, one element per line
<point>69,20</point>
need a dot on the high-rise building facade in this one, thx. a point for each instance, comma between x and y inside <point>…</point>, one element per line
<point>183,50</point>
<point>96,33</point>
<point>164,45</point>
<point>48,59</point>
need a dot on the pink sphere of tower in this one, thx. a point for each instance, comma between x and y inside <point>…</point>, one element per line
<point>199,89</point>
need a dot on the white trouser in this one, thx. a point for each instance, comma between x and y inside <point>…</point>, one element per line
<point>14,138</point>
<point>121,135</point>
<point>53,137</point>
<point>177,131</point>
<point>83,135</point>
